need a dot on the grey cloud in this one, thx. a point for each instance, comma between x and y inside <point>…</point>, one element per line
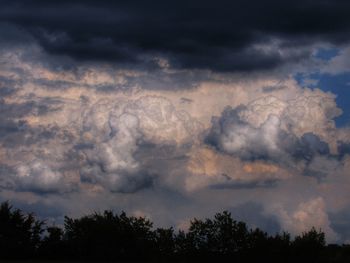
<point>13,35</point>
<point>268,89</point>
<point>322,168</point>
<point>5,172</point>
<point>8,128</point>
<point>254,214</point>
<point>305,148</point>
<point>230,134</point>
<point>45,210</point>
<point>343,148</point>
<point>34,176</point>
<point>14,129</point>
<point>7,86</point>
<point>32,106</point>
<point>22,134</point>
<point>340,223</point>
<point>157,80</point>
<point>237,184</point>
<point>54,84</point>
<point>34,153</point>
<point>6,91</point>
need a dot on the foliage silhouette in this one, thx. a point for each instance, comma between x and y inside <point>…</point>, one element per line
<point>20,233</point>
<point>109,235</point>
<point>112,236</point>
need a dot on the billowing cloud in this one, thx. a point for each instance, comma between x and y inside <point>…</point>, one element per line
<point>280,131</point>
<point>113,131</point>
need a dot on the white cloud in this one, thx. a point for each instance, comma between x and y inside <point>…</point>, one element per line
<point>338,64</point>
<point>38,176</point>
<point>308,214</point>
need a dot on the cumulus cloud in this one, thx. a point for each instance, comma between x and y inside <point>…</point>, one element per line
<point>115,130</point>
<point>111,161</point>
<point>39,177</point>
<point>308,214</point>
<point>280,131</point>
<point>234,136</point>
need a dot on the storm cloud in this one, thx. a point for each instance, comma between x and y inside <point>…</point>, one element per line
<point>221,36</point>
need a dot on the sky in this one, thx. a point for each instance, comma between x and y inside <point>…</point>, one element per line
<point>178,109</point>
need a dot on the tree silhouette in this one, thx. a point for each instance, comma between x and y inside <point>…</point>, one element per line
<point>221,237</point>
<point>53,245</point>
<point>112,236</point>
<point>164,242</point>
<point>19,232</point>
<point>309,244</point>
<point>109,235</point>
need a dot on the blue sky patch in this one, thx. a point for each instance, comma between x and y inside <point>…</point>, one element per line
<point>337,84</point>
<point>326,53</point>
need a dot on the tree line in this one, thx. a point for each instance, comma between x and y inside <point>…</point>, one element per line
<point>110,236</point>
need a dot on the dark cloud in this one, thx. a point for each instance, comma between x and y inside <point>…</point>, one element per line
<point>54,84</point>
<point>119,182</point>
<point>343,148</point>
<point>32,106</point>
<point>14,131</point>
<point>22,134</point>
<point>12,35</point>
<point>305,148</point>
<point>5,172</point>
<point>7,87</point>
<point>158,80</point>
<point>222,35</point>
<point>253,213</point>
<point>340,223</point>
<point>6,91</point>
<point>245,185</point>
<point>9,127</point>
<point>274,88</point>
<point>41,209</point>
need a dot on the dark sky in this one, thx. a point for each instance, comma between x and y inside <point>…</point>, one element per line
<point>220,35</point>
